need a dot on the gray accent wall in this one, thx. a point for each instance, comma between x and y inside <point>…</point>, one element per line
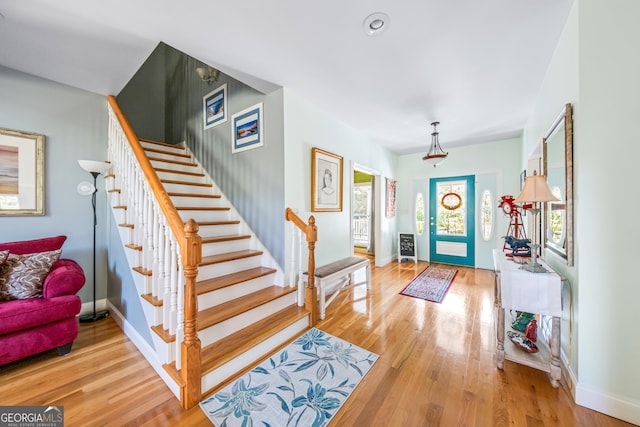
<point>163,102</point>
<point>75,125</point>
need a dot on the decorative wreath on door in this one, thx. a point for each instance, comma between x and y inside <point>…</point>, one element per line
<point>451,201</point>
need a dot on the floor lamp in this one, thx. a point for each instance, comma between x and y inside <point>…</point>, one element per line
<point>535,191</point>
<point>95,168</point>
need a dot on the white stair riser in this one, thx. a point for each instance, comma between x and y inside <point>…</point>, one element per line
<point>181,177</point>
<point>139,281</point>
<point>170,157</point>
<point>165,351</point>
<point>200,216</point>
<point>218,230</point>
<point>217,248</point>
<point>177,149</point>
<point>228,327</point>
<point>214,378</point>
<point>220,269</point>
<point>206,202</point>
<point>188,167</point>
<point>152,314</point>
<point>229,293</point>
<point>182,188</point>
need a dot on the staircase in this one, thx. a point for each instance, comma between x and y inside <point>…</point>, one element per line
<point>244,310</point>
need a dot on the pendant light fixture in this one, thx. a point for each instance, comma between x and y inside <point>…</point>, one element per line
<point>436,155</point>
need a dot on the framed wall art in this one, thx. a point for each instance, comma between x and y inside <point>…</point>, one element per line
<point>326,181</point>
<point>21,173</point>
<point>215,107</point>
<point>246,128</point>
<point>390,202</point>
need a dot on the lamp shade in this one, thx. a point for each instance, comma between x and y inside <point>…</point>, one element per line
<point>536,190</point>
<point>96,166</point>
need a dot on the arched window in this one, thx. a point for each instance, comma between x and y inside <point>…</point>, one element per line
<point>486,217</point>
<point>420,214</point>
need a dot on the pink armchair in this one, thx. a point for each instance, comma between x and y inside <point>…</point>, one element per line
<point>33,325</point>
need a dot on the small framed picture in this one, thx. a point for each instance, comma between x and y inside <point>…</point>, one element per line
<point>326,181</point>
<point>246,128</point>
<point>215,107</point>
<point>390,198</point>
<point>21,173</point>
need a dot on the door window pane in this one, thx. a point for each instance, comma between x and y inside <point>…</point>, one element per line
<point>452,209</point>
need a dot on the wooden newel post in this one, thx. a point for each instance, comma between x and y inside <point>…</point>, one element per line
<point>311,297</point>
<point>190,370</point>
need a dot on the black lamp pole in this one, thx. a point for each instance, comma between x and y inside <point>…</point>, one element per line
<point>96,315</point>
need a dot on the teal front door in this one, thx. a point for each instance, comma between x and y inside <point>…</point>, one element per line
<point>452,220</point>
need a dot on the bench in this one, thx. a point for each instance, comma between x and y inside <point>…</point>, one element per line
<point>332,278</point>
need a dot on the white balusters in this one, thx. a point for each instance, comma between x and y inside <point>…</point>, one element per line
<point>160,250</point>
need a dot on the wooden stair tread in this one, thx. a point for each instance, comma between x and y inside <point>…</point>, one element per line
<point>229,256</point>
<point>195,184</point>
<point>175,162</point>
<point>126,225</point>
<point>209,223</point>
<point>206,196</point>
<point>202,208</point>
<point>229,238</point>
<point>174,373</point>
<point>134,247</point>
<point>143,272</point>
<point>160,151</point>
<point>163,333</point>
<point>221,312</point>
<point>199,174</point>
<point>154,301</point>
<point>226,349</point>
<point>165,144</point>
<point>220,282</point>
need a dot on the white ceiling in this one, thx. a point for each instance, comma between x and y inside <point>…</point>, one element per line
<point>475,66</point>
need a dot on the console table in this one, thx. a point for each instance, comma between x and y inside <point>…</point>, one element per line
<point>538,293</point>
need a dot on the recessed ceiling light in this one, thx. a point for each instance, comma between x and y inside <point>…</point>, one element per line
<point>375,24</point>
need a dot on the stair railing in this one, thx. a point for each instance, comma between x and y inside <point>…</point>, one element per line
<point>311,232</point>
<point>166,239</point>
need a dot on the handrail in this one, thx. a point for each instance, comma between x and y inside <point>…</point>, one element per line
<point>191,253</point>
<point>311,232</point>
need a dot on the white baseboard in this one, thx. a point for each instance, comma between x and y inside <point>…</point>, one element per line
<point>87,307</point>
<point>148,352</point>
<point>607,403</point>
<point>568,374</point>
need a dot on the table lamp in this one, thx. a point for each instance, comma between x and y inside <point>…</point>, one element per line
<point>535,191</point>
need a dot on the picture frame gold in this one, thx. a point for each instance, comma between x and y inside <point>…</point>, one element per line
<point>326,181</point>
<point>21,173</point>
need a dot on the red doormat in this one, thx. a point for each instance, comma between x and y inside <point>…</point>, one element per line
<point>432,284</point>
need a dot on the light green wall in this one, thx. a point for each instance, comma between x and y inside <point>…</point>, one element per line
<point>496,162</point>
<point>596,67</point>
<point>305,127</point>
<point>609,110</point>
<point>75,125</point>
<point>560,87</point>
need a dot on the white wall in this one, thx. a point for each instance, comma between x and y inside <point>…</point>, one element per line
<point>307,127</point>
<point>75,125</point>
<point>596,67</point>
<point>498,160</point>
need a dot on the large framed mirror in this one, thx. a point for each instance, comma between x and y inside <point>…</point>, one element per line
<point>557,164</point>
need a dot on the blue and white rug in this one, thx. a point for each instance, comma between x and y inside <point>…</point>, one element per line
<point>303,385</point>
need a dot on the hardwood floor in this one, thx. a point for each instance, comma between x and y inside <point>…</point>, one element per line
<point>436,367</point>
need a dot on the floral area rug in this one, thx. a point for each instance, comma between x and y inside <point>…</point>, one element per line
<point>432,284</point>
<point>303,385</point>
